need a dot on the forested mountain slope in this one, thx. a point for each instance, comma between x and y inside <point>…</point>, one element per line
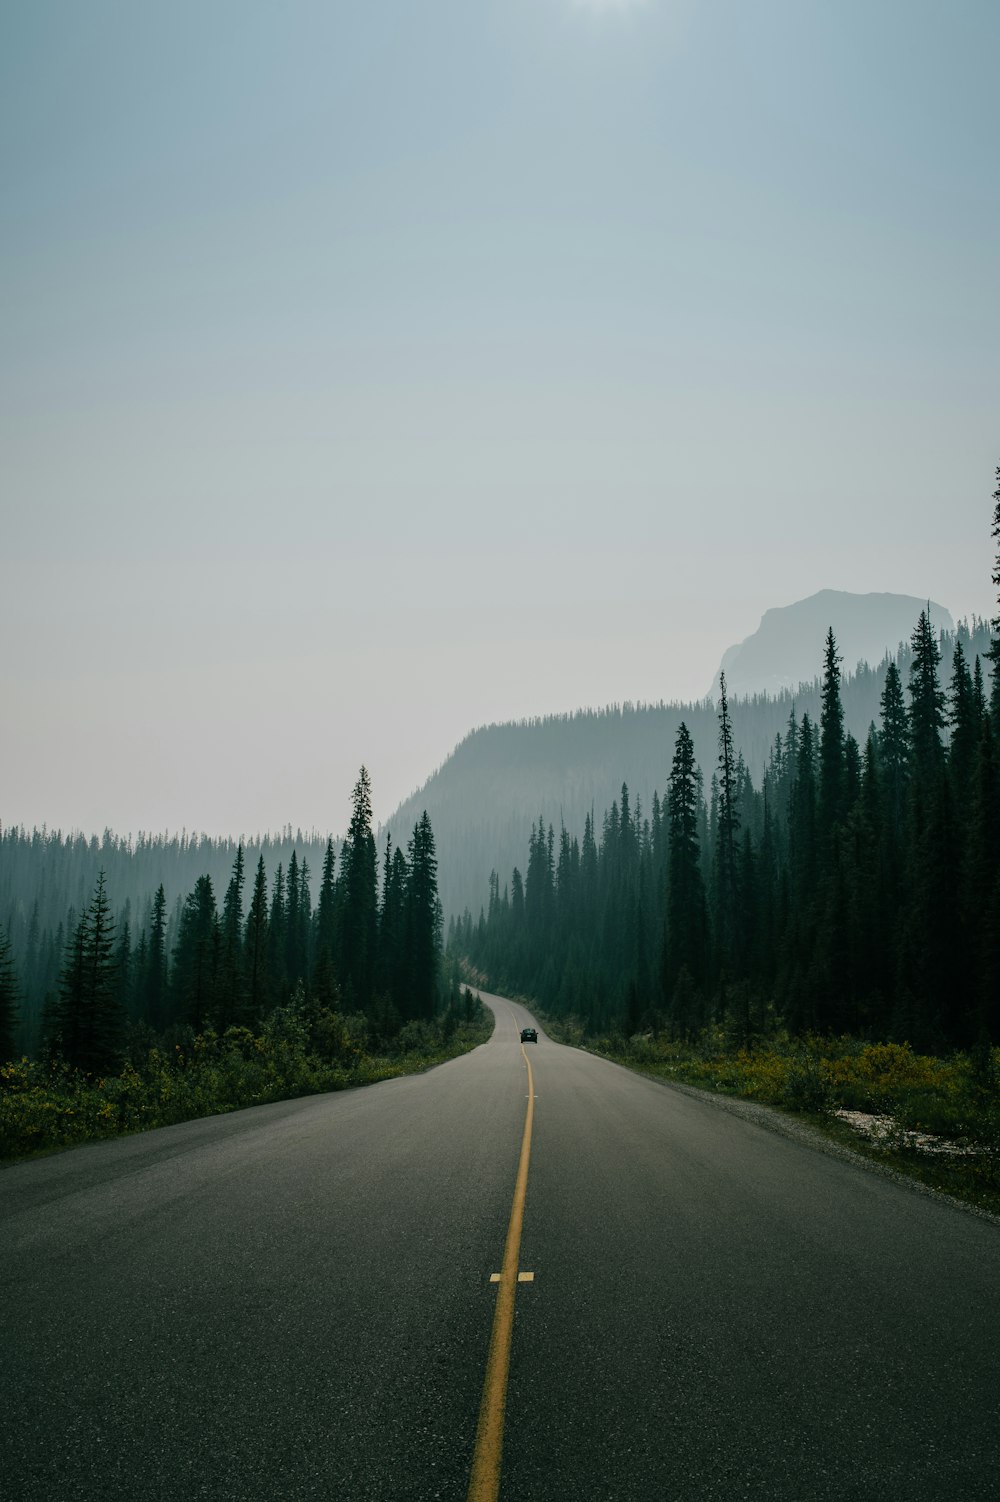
<point>781,653</point>
<point>485,798</point>
<point>483,803</point>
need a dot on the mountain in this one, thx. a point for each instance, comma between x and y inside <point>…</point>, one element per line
<point>485,797</point>
<point>787,647</point>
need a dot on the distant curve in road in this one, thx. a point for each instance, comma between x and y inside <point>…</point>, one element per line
<point>294,1301</point>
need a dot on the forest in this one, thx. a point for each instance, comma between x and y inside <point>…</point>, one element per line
<point>855,890</point>
<point>485,798</point>
<point>114,990</point>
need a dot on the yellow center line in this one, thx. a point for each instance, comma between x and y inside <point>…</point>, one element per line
<point>484,1483</point>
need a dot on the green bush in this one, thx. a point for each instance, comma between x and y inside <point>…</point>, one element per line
<point>297,1051</point>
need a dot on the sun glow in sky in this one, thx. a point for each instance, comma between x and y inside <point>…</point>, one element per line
<point>371,372</point>
<point>609,5</point>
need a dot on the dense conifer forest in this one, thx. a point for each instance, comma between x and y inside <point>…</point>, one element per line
<point>486,797</point>
<point>856,889</point>
<point>99,979</point>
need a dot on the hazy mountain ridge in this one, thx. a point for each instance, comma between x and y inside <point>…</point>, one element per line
<point>785,649</point>
<point>485,797</point>
<point>482,802</point>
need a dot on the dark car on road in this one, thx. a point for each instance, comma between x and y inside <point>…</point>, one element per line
<point>529,1035</point>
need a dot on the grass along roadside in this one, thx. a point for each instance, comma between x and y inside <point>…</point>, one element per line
<point>933,1119</point>
<point>46,1107</point>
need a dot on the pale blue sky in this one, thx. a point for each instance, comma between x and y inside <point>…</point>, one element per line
<point>371,371</point>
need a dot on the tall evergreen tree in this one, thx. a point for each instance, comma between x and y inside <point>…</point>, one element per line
<point>86,1022</point>
<point>359,924</point>
<point>255,947</point>
<point>982,890</point>
<point>324,974</point>
<point>994,652</point>
<point>155,973</point>
<point>894,749</point>
<point>9,994</point>
<point>964,722</point>
<point>196,957</point>
<point>394,970</point>
<point>832,792</point>
<point>926,718</point>
<point>277,925</point>
<point>231,1005</point>
<point>727,829</point>
<point>293,958</point>
<point>124,964</point>
<point>423,921</point>
<point>686,928</point>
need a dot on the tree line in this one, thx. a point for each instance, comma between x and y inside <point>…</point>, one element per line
<point>856,889</point>
<point>359,950</point>
<point>47,880</point>
<point>488,793</point>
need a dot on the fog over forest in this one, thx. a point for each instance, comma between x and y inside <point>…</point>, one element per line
<point>484,803</point>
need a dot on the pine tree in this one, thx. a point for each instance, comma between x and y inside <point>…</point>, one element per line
<point>964,722</point>
<point>894,750</point>
<point>124,967</point>
<point>255,947</point>
<point>982,890</point>
<point>423,923</point>
<point>393,955</point>
<point>156,964</point>
<point>86,1022</point>
<point>359,926</point>
<point>276,940</point>
<point>926,718</point>
<point>539,891</point>
<point>9,996</point>
<point>831,743</point>
<point>293,965</point>
<point>197,956</point>
<point>231,1001</point>
<point>324,974</point>
<point>686,926</point>
<point>994,652</point>
<point>727,828</point>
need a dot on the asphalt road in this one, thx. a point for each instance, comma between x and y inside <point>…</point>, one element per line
<point>294,1302</point>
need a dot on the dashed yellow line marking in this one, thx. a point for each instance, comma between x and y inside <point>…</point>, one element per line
<point>484,1482</point>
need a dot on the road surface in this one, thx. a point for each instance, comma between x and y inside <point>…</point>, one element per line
<point>295,1302</point>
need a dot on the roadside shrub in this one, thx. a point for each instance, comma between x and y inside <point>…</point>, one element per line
<point>46,1105</point>
<point>807,1086</point>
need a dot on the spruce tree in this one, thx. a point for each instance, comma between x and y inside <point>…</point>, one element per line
<point>293,959</point>
<point>831,742</point>
<point>255,947</point>
<point>231,1003</point>
<point>894,745</point>
<point>423,922</point>
<point>324,972</point>
<point>686,925</point>
<point>197,957</point>
<point>359,923</point>
<point>994,652</point>
<point>727,828</point>
<point>87,1024</point>
<point>9,995</point>
<point>124,965</point>
<point>155,979</point>
<point>981,888</point>
<point>276,940</point>
<point>964,723</point>
<point>926,717</point>
<point>393,971</point>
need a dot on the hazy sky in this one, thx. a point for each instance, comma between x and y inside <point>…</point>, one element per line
<point>371,371</point>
